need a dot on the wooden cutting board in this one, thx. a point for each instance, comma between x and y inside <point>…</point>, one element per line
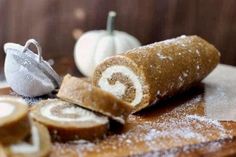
<point>184,125</point>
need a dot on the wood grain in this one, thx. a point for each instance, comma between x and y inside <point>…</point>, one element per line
<point>52,23</point>
<point>164,130</point>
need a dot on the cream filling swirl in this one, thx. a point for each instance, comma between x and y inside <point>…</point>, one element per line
<point>6,109</point>
<point>82,114</point>
<point>118,89</point>
<point>26,148</point>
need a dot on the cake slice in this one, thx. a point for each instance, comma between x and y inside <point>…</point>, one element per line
<point>66,121</point>
<point>39,144</point>
<point>14,121</point>
<point>82,93</point>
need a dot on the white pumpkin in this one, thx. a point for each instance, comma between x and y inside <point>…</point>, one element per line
<point>94,46</point>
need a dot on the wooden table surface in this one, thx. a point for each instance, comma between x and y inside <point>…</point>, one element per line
<point>184,125</point>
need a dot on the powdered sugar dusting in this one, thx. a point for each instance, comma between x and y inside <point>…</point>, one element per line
<point>161,56</point>
<point>181,127</point>
<point>186,150</point>
<point>165,42</point>
<point>204,119</point>
<point>33,100</point>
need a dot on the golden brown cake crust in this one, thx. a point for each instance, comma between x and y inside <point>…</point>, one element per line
<point>16,126</point>
<point>167,67</point>
<point>79,92</point>
<point>73,130</point>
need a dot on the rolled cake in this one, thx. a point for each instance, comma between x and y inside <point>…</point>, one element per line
<point>67,121</point>
<point>82,93</point>
<point>154,72</point>
<point>39,144</point>
<point>14,121</point>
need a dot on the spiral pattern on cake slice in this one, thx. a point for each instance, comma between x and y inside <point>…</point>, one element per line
<point>118,89</point>
<point>82,93</point>
<point>14,121</point>
<point>39,144</point>
<point>67,121</point>
<point>157,71</point>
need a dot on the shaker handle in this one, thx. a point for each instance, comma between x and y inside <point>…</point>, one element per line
<point>37,45</point>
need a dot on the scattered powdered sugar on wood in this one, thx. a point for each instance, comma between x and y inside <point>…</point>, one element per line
<point>181,127</point>
<point>33,100</point>
<point>185,151</point>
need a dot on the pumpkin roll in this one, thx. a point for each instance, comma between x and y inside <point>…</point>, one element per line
<point>66,121</point>
<point>38,144</point>
<point>14,121</point>
<point>154,72</point>
<point>84,94</point>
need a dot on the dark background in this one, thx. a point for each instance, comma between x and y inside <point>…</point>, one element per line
<point>56,23</point>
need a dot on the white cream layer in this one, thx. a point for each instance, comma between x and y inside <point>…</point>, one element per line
<point>118,89</point>
<point>6,109</point>
<point>26,148</point>
<point>85,115</point>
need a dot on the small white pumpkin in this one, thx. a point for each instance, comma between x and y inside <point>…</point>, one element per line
<point>94,46</point>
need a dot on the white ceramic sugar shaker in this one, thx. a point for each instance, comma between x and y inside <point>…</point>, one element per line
<point>27,73</point>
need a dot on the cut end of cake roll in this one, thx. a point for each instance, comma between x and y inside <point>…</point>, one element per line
<point>123,78</point>
<point>67,122</point>
<point>39,144</point>
<point>157,71</point>
<point>14,121</point>
<point>82,93</point>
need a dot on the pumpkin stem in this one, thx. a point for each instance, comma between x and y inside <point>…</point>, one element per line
<point>111,21</point>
